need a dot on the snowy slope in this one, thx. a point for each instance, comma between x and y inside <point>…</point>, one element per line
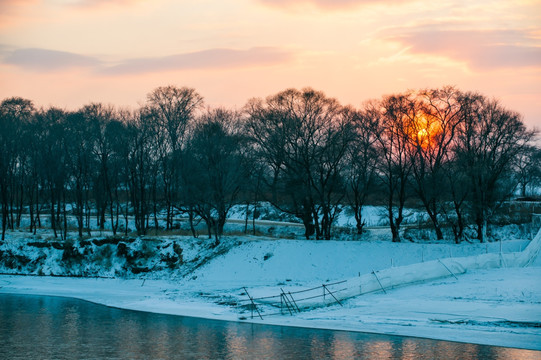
<point>322,261</point>
<point>498,307</point>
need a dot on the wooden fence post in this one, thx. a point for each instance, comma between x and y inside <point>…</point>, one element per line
<point>254,306</point>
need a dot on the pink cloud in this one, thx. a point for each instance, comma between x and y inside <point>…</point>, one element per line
<point>44,60</point>
<point>480,49</point>
<point>12,10</point>
<point>211,58</point>
<point>48,60</point>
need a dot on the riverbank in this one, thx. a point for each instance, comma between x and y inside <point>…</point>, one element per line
<point>495,307</point>
<point>500,307</point>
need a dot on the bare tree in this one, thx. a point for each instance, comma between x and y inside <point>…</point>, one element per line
<point>268,132</point>
<point>97,116</point>
<point>303,136</point>
<point>528,170</point>
<point>362,160</point>
<point>271,128</point>
<point>139,156</point>
<point>14,113</point>
<point>459,191</point>
<point>34,167</point>
<point>173,109</point>
<point>488,142</point>
<point>215,167</point>
<point>123,146</point>
<point>111,165</point>
<point>55,164</point>
<point>78,145</point>
<point>330,162</point>
<point>394,170</point>
<point>430,133</point>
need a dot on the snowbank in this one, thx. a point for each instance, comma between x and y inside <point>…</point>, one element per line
<point>426,271</point>
<point>491,307</point>
<point>499,306</point>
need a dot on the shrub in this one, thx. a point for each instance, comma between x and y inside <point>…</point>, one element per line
<point>71,256</point>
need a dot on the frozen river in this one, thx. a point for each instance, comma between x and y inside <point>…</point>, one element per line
<point>39,327</point>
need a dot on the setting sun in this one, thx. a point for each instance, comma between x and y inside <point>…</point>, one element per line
<point>422,136</point>
<point>424,130</point>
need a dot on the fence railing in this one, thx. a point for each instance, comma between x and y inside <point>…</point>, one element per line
<point>331,293</point>
<point>291,302</point>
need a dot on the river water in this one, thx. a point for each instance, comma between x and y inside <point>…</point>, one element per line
<point>40,327</point>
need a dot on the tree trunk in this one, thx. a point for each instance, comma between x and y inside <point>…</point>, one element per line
<point>113,214</point>
<point>395,232</point>
<point>246,218</point>
<point>64,215</point>
<point>169,216</point>
<point>79,207</point>
<point>11,210</point>
<point>126,219</point>
<point>190,219</point>
<point>359,221</point>
<point>482,225</point>
<point>4,213</point>
<point>436,225</point>
<point>38,209</point>
<point>20,206</point>
<point>4,219</point>
<point>308,224</point>
<point>394,228</point>
<point>209,230</point>
<point>253,217</point>
<point>53,217</point>
<point>31,209</point>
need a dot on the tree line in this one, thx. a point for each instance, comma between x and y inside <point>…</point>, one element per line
<point>457,154</point>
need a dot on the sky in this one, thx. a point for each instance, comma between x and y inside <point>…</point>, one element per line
<point>68,53</point>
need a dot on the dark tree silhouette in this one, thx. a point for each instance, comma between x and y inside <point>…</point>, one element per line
<point>362,160</point>
<point>431,135</point>
<point>303,136</point>
<point>394,113</point>
<point>15,112</point>
<point>173,109</point>
<point>215,167</point>
<point>489,140</point>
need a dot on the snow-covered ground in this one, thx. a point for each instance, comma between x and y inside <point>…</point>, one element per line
<point>494,307</point>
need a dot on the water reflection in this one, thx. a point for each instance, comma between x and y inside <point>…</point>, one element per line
<point>58,328</point>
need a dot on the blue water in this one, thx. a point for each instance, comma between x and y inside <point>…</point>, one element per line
<point>39,327</point>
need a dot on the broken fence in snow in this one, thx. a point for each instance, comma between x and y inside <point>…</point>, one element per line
<point>323,295</point>
<point>389,278</point>
<point>291,302</point>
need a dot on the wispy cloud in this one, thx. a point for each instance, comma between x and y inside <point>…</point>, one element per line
<point>480,49</point>
<point>326,4</point>
<point>98,3</point>
<point>48,60</point>
<point>212,58</point>
<point>44,60</point>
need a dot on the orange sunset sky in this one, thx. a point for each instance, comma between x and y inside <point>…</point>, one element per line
<point>68,53</point>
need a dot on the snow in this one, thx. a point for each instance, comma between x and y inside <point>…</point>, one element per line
<point>372,215</point>
<point>324,261</point>
<point>499,306</point>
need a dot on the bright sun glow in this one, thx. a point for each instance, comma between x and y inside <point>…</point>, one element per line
<point>422,135</point>
<point>424,130</point>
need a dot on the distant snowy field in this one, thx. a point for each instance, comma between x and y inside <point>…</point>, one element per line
<point>495,307</point>
<point>269,221</point>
